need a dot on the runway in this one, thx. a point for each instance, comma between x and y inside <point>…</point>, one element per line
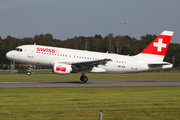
<point>91,83</point>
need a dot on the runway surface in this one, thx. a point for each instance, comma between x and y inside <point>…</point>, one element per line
<point>91,83</point>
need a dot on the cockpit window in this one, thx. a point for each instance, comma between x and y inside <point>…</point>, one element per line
<point>18,49</point>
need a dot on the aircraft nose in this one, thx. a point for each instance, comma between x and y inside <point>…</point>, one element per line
<point>8,55</point>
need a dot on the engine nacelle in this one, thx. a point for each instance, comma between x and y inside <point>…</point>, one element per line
<point>61,69</point>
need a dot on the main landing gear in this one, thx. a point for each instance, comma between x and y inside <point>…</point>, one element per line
<point>83,77</point>
<point>29,70</point>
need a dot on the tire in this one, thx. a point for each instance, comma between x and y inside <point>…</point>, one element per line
<point>84,79</point>
<point>28,73</point>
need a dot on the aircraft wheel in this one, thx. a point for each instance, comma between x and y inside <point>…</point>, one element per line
<point>84,79</point>
<point>28,73</point>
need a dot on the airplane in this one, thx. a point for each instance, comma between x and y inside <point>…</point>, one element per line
<point>65,61</point>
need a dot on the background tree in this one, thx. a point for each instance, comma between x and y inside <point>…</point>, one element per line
<point>109,39</point>
<point>48,39</point>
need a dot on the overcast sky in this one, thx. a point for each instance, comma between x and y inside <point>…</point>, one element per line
<point>69,18</point>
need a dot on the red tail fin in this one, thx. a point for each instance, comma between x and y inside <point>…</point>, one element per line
<point>160,45</point>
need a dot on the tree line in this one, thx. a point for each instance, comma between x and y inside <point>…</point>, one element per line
<point>124,45</point>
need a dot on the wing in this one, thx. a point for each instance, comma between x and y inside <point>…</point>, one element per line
<point>88,65</point>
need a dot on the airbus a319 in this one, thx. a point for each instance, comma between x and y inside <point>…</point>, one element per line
<point>65,61</point>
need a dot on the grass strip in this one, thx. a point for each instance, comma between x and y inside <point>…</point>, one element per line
<point>86,103</point>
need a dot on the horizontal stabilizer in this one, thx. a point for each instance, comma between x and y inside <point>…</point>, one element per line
<point>158,64</point>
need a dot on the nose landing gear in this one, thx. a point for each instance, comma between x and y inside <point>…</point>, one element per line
<point>28,73</point>
<point>29,70</point>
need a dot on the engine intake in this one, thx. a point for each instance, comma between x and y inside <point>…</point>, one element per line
<point>62,69</point>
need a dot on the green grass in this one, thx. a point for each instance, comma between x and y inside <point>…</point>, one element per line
<point>53,77</point>
<point>86,103</point>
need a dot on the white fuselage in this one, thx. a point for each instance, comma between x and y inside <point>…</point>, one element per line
<point>47,56</point>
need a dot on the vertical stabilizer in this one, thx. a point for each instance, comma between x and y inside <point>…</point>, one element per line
<point>158,47</point>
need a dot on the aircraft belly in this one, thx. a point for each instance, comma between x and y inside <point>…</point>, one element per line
<point>116,68</point>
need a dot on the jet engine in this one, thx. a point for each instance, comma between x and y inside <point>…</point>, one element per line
<point>61,69</point>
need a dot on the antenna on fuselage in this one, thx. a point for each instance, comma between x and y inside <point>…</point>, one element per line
<point>34,43</point>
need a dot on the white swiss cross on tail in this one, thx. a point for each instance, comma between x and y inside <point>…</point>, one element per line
<point>159,45</point>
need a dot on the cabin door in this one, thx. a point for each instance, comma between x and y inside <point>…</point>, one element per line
<point>31,52</point>
<point>134,64</point>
